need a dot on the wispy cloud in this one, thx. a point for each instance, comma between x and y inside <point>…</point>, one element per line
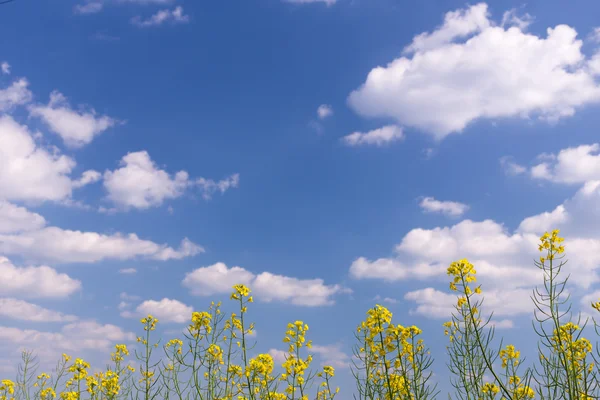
<point>377,137</point>
<point>175,16</point>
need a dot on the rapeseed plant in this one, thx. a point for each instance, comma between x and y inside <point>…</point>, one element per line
<point>391,361</point>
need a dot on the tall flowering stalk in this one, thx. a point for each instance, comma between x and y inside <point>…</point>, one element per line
<point>148,381</point>
<point>565,370</point>
<point>392,362</point>
<point>470,350</point>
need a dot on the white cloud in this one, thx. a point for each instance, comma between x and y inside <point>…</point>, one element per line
<point>377,137</point>
<point>126,296</point>
<point>144,2</point>
<point>327,2</point>
<point>30,172</point>
<point>577,218</point>
<point>16,94</point>
<point>452,208</point>
<point>595,35</point>
<point>502,324</point>
<point>573,165</point>
<point>388,300</point>
<point>128,271</point>
<point>442,83</point>
<point>22,310</point>
<point>166,310</point>
<point>90,7</point>
<point>545,221</point>
<point>5,68</point>
<point>140,184</point>
<point>267,287</point>
<point>512,18</point>
<point>68,246</point>
<point>324,111</point>
<point>95,6</point>
<point>511,167</point>
<point>75,128</point>
<point>89,176</point>
<point>35,282</point>
<point>436,304</point>
<point>18,219</point>
<point>332,355</point>
<point>457,24</point>
<point>503,260</point>
<point>279,356</point>
<point>73,337</point>
<point>392,270</point>
<point>209,187</point>
<point>215,279</point>
<point>175,16</point>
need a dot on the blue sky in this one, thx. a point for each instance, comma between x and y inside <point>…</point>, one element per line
<point>335,151</point>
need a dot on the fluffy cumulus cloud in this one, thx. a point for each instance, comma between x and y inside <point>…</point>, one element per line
<point>376,137</point>
<point>25,311</point>
<point>332,355</point>
<point>267,287</point>
<point>504,260</point>
<point>175,16</point>
<point>573,165</point>
<point>438,304</point>
<point>452,208</point>
<point>472,68</point>
<point>166,310</point>
<point>35,282</point>
<point>141,184</point>
<point>16,94</point>
<point>18,219</point>
<point>5,68</point>
<point>75,337</point>
<point>31,172</point>
<point>76,128</point>
<point>69,246</point>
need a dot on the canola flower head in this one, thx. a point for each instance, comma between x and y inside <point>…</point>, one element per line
<point>149,322</point>
<point>240,291</point>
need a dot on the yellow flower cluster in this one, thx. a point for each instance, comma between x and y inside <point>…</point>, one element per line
<point>295,367</point>
<point>215,354</point>
<point>325,393</point>
<point>551,243</point>
<point>509,354</point>
<point>47,394</point>
<point>490,388</point>
<point>79,369</point>
<point>575,351</point>
<point>389,353</point>
<point>110,383</point>
<point>8,387</point>
<point>259,372</point>
<point>177,344</point>
<point>149,322</point>
<point>120,351</point>
<point>240,292</point>
<point>201,323</point>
